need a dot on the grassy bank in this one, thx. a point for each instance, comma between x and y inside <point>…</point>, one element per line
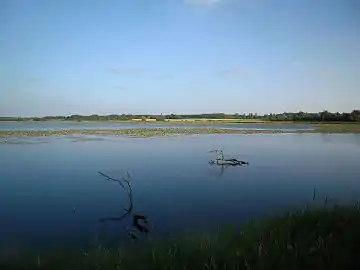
<point>337,128</point>
<point>309,239</point>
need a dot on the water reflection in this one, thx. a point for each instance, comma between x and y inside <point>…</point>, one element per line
<point>139,225</point>
<point>221,167</point>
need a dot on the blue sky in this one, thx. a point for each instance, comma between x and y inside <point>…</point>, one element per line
<point>178,56</point>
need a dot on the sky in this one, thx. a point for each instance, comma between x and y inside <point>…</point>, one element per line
<point>66,57</point>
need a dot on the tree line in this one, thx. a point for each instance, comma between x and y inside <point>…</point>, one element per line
<point>323,116</point>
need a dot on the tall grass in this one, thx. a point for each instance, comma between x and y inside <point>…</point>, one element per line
<point>311,238</point>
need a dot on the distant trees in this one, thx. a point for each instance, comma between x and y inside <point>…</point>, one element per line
<point>355,116</point>
<point>323,116</point>
<point>159,118</point>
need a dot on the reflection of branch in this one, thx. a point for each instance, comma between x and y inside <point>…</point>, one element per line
<point>222,167</point>
<point>125,183</point>
<point>115,218</point>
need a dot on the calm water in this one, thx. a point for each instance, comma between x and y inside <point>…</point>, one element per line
<point>173,183</point>
<point>113,125</point>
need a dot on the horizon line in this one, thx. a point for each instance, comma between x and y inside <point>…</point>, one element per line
<point>185,114</point>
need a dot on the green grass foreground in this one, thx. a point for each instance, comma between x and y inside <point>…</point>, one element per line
<point>318,238</point>
<point>159,132</point>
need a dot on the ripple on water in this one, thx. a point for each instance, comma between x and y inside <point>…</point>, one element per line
<point>23,141</point>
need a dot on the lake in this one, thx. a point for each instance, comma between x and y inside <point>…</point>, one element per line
<point>44,180</point>
<point>60,125</point>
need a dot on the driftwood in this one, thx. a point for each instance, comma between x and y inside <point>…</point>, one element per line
<point>125,183</point>
<point>225,163</point>
<point>230,162</point>
<point>221,160</point>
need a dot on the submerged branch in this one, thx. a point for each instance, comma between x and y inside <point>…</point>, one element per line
<point>112,179</point>
<point>127,188</point>
<point>116,218</point>
<point>125,183</point>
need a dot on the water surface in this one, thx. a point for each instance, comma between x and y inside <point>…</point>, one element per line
<point>42,181</point>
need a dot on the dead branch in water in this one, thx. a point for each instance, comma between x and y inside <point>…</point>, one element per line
<point>127,188</point>
<point>219,154</point>
<point>125,183</point>
<point>221,160</point>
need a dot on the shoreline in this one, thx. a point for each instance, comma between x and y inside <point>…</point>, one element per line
<point>161,132</point>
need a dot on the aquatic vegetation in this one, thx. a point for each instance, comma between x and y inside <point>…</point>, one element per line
<point>135,132</point>
<point>310,238</point>
<point>171,131</point>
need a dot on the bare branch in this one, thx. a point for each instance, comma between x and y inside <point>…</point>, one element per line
<point>112,179</point>
<point>219,153</point>
<point>220,160</point>
<point>115,218</point>
<point>125,183</point>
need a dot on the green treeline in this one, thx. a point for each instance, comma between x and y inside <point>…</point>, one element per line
<point>323,116</point>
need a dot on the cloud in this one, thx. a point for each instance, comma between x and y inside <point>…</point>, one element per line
<point>204,3</point>
<point>238,71</point>
<point>127,70</point>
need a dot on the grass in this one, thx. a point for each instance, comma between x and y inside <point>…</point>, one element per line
<point>166,131</point>
<point>325,128</point>
<point>314,238</point>
<point>140,121</point>
<point>215,121</point>
<point>337,128</point>
<point>141,132</point>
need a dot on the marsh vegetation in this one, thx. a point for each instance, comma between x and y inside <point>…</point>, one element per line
<point>311,238</point>
<point>169,131</point>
